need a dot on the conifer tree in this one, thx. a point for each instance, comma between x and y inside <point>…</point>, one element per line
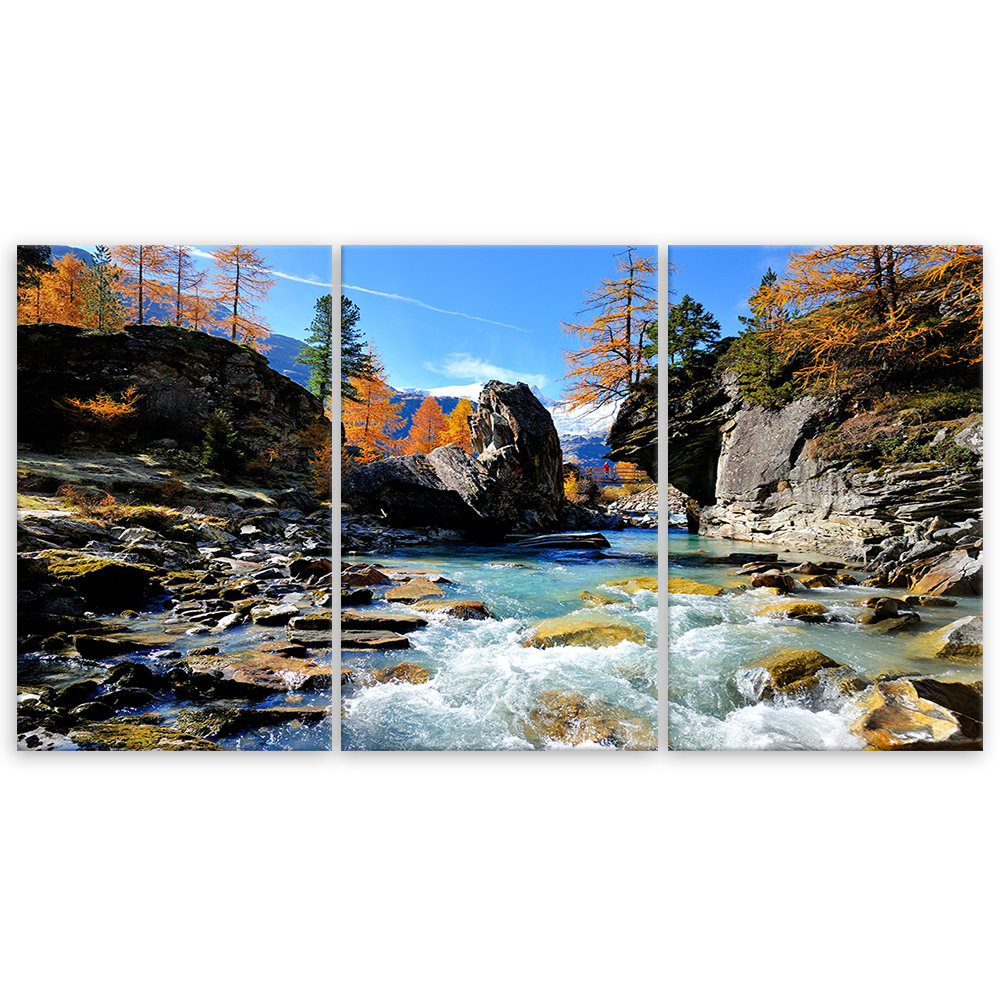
<point>370,420</point>
<point>318,350</point>
<point>184,278</point>
<point>140,266</point>
<point>102,304</point>
<point>221,448</point>
<point>32,262</point>
<point>614,359</point>
<point>692,331</point>
<point>243,282</point>
<point>457,430</point>
<point>353,356</point>
<point>428,428</point>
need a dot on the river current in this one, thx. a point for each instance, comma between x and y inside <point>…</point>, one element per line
<point>483,679</point>
<point>710,638</point>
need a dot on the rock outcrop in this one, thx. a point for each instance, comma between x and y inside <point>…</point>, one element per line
<point>633,435</point>
<point>447,488</point>
<point>181,377</point>
<point>516,437</point>
<point>765,475</point>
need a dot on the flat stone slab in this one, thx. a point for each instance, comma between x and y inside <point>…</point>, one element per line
<point>373,640</point>
<point>414,590</point>
<point>466,610</point>
<point>381,621</point>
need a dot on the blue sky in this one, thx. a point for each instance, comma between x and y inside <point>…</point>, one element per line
<point>497,311</point>
<point>722,278</point>
<point>304,274</point>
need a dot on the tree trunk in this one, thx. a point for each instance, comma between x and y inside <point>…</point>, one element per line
<point>890,266</point>
<point>140,286</point>
<point>236,297</point>
<point>879,294</point>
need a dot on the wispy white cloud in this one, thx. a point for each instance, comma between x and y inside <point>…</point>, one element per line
<point>465,366</point>
<point>311,280</point>
<point>424,305</point>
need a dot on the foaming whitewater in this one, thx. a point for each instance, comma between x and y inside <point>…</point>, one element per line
<point>712,638</point>
<point>483,680</point>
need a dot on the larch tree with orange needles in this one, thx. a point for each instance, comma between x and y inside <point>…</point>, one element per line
<point>243,281</point>
<point>613,360</point>
<point>65,286</point>
<point>865,308</point>
<point>140,266</point>
<point>370,420</point>
<point>457,430</point>
<point>428,428</point>
<point>184,277</point>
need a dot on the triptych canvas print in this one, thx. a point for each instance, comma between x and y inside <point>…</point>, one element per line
<point>482,446</point>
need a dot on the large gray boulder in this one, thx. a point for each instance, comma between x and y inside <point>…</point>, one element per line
<point>517,439</point>
<point>447,488</point>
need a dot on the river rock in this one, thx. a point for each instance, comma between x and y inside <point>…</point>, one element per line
<point>571,717</point>
<point>575,630</point>
<point>373,639</point>
<point>103,583</point>
<point>398,673</point>
<point>774,578</point>
<point>369,576</point>
<point>130,736</point>
<point>387,621</point>
<point>589,597</point>
<point>574,540</point>
<point>894,715</point>
<point>355,598</point>
<point>636,583</point>
<point>678,585</point>
<point>465,610</point>
<point>273,614</point>
<point>413,590</point>
<point>960,640</point>
<point>788,671</point>
<point>811,611</point>
<point>956,573</point>
<point>819,580</point>
<point>100,647</point>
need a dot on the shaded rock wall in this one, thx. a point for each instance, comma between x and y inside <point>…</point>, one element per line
<point>633,435</point>
<point>181,377</point>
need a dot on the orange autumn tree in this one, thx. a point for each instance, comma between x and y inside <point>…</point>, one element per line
<point>370,421</point>
<point>140,266</point>
<point>868,308</point>
<point>428,428</point>
<point>183,278</point>
<point>613,361</point>
<point>457,430</point>
<point>198,310</point>
<point>243,282</point>
<point>66,286</point>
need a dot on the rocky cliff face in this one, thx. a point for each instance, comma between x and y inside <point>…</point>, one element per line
<point>181,377</point>
<point>761,475</point>
<point>633,435</point>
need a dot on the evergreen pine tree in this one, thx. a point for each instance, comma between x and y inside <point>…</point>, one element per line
<point>353,354</point>
<point>318,350</point>
<point>220,450</point>
<point>102,304</point>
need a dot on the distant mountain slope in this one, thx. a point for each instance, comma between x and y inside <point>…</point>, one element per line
<point>281,349</point>
<point>582,434</point>
<point>57,253</point>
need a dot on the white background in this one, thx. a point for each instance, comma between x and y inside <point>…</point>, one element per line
<point>478,875</point>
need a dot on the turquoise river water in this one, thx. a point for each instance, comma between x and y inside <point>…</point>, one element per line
<point>483,679</point>
<point>712,637</point>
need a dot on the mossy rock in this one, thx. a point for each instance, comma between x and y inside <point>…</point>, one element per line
<point>572,630</point>
<point>398,673</point>
<point>789,671</point>
<point>636,583</point>
<point>573,718</point>
<point>413,590</point>
<point>589,597</point>
<point>103,583</point>
<point>129,736</point>
<point>678,585</point>
<point>801,610</point>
